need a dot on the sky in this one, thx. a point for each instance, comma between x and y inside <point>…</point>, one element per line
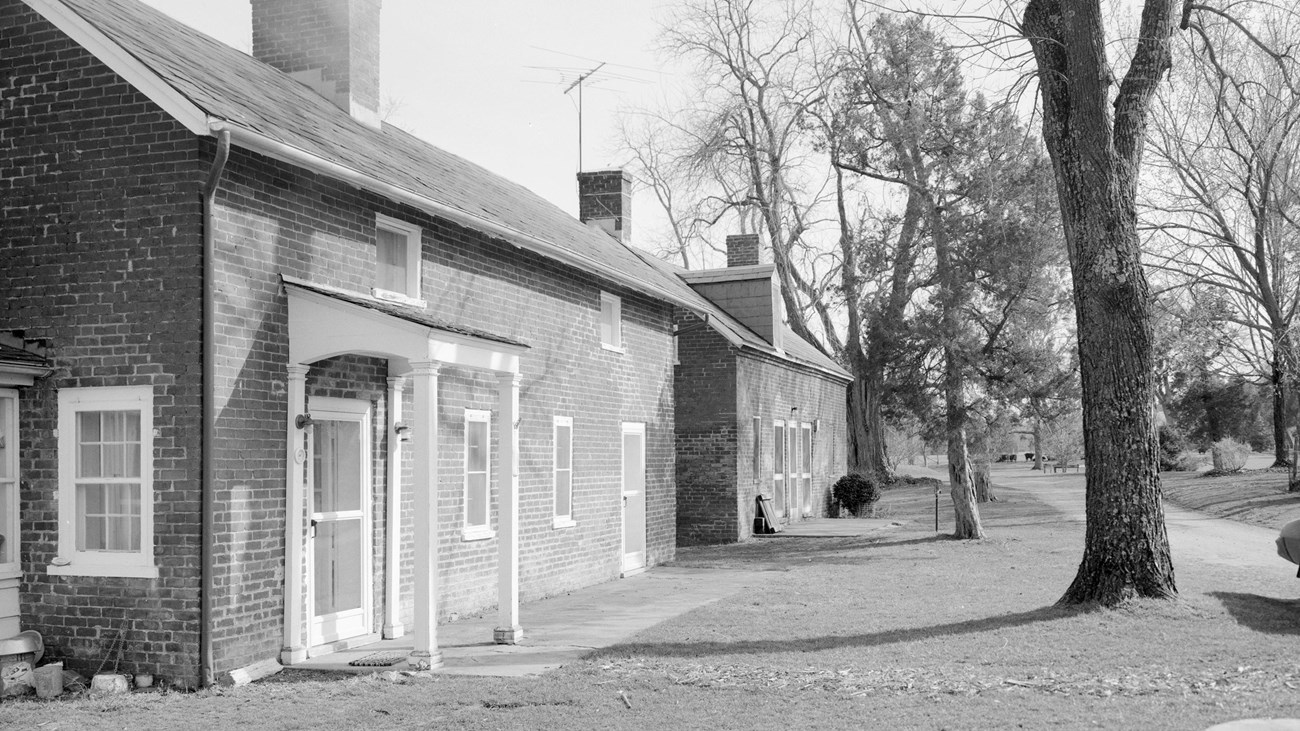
<point>485,79</point>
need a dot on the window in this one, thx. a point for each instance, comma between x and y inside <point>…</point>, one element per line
<point>778,476</point>
<point>8,483</point>
<point>611,322</point>
<point>105,482</point>
<point>397,261</point>
<point>758,450</point>
<point>805,465</point>
<point>478,482</point>
<point>563,472</point>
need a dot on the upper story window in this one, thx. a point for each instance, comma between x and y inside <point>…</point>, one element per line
<point>105,482</point>
<point>611,322</point>
<point>397,260</point>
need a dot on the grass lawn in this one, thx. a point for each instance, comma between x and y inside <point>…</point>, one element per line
<point>905,630</point>
<point>1255,496</point>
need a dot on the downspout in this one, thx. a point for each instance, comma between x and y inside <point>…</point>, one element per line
<point>209,411</point>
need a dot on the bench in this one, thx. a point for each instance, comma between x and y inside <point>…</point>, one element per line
<point>1065,466</point>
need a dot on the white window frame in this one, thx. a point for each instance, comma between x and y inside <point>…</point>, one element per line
<point>615,326</point>
<point>70,561</point>
<point>561,521</point>
<point>780,467</point>
<point>806,460</point>
<point>414,258</point>
<point>9,441</point>
<point>471,532</point>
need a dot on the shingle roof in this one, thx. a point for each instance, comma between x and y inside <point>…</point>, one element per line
<point>10,355</point>
<point>229,85</point>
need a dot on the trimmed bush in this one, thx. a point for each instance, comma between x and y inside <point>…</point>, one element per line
<point>1229,455</point>
<point>856,492</point>
<point>1185,462</point>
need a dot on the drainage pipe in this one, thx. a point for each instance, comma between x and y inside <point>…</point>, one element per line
<point>209,415</point>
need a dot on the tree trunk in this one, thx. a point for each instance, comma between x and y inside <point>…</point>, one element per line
<point>983,483</point>
<point>1038,445</point>
<point>960,487</point>
<point>1126,549</point>
<point>866,424</point>
<point>1280,456</point>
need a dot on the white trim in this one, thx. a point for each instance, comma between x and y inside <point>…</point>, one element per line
<point>414,236</point>
<point>70,561</point>
<point>10,439</point>
<point>477,532</point>
<point>615,303</point>
<point>781,471</point>
<point>324,408</point>
<point>124,64</point>
<point>561,520</point>
<point>806,467</point>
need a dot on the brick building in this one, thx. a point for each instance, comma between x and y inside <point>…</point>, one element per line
<point>758,414</point>
<point>277,378</point>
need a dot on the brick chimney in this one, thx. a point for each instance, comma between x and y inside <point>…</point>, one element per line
<point>744,250</point>
<point>605,202</point>
<point>330,45</point>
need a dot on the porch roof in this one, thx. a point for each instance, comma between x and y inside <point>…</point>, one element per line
<point>21,367</point>
<point>325,322</point>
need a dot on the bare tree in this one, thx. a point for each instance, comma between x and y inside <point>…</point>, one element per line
<point>1094,131</point>
<point>1228,143</point>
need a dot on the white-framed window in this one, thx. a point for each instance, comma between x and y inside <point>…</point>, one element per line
<point>805,465</point>
<point>611,322</point>
<point>105,482</point>
<point>9,566</point>
<point>397,261</point>
<point>779,446</point>
<point>563,472</point>
<point>478,475</point>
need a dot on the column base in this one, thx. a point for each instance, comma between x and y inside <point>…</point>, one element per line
<point>424,660</point>
<point>393,631</point>
<point>292,655</point>
<point>508,635</point>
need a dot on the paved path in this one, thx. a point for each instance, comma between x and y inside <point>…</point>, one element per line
<point>1192,535</point>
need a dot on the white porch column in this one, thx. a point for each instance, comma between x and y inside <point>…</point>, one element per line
<point>295,647</point>
<point>424,440</point>
<point>508,631</point>
<point>393,545</point>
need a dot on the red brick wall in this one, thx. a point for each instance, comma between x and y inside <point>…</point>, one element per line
<point>100,241</point>
<point>102,234</point>
<point>719,391</point>
<point>705,388</point>
<point>272,221</point>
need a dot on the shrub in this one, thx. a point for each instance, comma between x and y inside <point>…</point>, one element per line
<point>1229,455</point>
<point>1173,445</point>
<point>856,492</point>
<point>1188,461</point>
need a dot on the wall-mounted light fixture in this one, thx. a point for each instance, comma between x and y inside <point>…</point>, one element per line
<point>302,421</point>
<point>403,431</point>
<point>817,425</point>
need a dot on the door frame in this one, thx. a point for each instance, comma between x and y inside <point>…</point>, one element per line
<point>638,563</point>
<point>324,408</point>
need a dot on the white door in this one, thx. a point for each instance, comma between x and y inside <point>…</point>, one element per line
<point>10,569</point>
<point>340,552</point>
<point>633,497</point>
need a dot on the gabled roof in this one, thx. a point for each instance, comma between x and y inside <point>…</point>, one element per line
<point>210,87</point>
<point>796,349</point>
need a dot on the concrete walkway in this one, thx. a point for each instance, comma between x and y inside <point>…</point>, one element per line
<point>563,628</point>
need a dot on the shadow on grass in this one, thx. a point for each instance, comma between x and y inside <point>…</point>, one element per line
<point>871,639</point>
<point>1262,613</point>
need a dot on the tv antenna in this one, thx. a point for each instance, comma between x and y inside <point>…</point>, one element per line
<point>578,84</point>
